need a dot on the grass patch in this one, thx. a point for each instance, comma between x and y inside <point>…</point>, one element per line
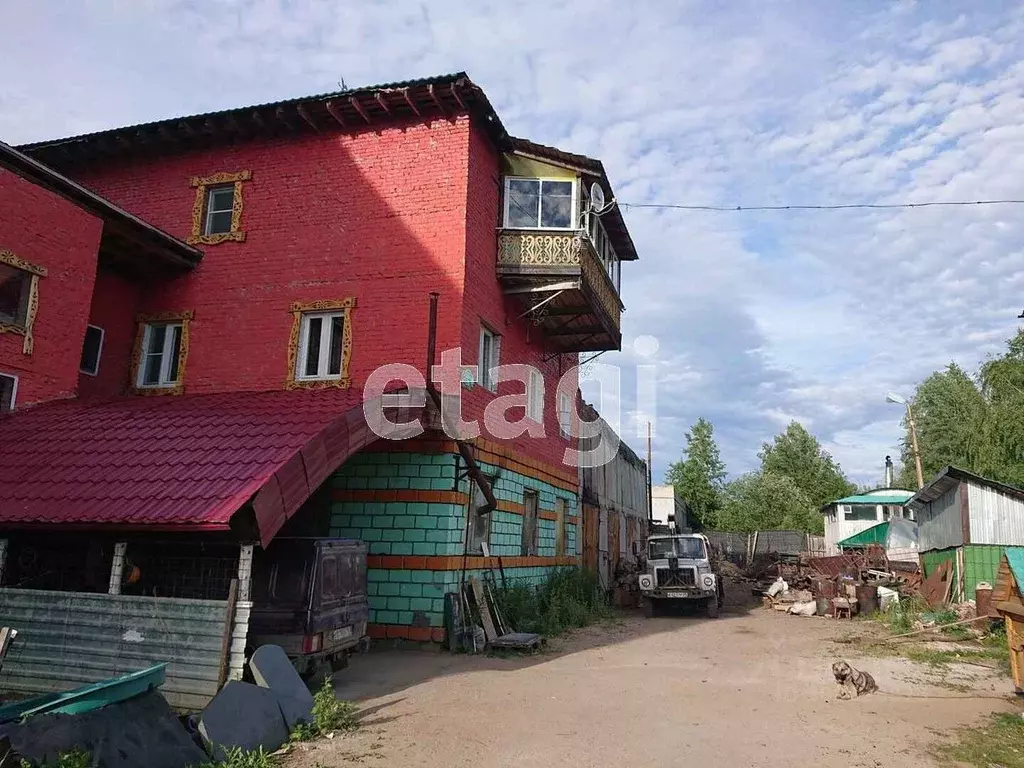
<point>1001,742</point>
<point>329,714</point>
<point>942,657</point>
<point>76,758</point>
<point>240,758</point>
<point>569,598</point>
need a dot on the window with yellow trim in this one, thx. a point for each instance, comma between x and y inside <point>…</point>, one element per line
<point>321,344</point>
<point>217,210</point>
<point>160,353</point>
<point>19,297</point>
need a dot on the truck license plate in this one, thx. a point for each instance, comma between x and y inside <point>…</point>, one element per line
<point>676,594</point>
<point>341,634</point>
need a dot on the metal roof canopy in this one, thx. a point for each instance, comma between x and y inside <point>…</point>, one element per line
<point>125,236</point>
<point>948,479</point>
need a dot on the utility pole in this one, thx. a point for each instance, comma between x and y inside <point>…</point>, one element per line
<point>917,451</point>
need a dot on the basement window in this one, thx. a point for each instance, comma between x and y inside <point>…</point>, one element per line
<point>539,203</point>
<point>161,355</point>
<point>320,346</point>
<point>220,202</point>
<point>8,391</point>
<point>15,285</point>
<point>92,348</point>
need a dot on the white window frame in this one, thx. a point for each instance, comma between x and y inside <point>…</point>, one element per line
<point>166,356</point>
<point>535,396</point>
<point>565,414</point>
<point>14,389</point>
<point>99,351</point>
<point>324,361</point>
<point>488,380</point>
<point>574,213</point>
<point>207,227</point>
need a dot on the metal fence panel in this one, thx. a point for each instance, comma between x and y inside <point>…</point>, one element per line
<point>69,639</point>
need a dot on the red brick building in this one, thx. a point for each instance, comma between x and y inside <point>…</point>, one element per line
<point>187,326</point>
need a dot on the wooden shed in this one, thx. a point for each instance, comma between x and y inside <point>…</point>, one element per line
<point>1009,602</point>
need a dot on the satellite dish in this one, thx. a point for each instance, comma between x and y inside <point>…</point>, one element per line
<point>596,197</point>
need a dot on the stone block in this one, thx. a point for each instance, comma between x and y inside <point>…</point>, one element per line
<point>245,716</point>
<point>272,669</point>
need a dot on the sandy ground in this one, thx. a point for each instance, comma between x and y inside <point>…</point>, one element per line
<point>753,688</point>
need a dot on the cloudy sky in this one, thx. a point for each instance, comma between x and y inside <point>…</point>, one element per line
<point>761,318</point>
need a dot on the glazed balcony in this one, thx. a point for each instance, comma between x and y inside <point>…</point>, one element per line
<point>563,287</point>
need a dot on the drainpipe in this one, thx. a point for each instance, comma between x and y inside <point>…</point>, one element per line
<point>465,449</point>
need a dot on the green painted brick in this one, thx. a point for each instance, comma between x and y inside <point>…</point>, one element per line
<point>425,577</point>
<point>420,483</point>
<point>350,533</point>
<point>401,548</point>
<point>380,548</point>
<point>361,521</point>
<point>377,483</point>
<point>437,605</point>
<point>400,575</point>
<point>426,521</point>
<point>387,470</point>
<point>382,521</point>
<point>366,470</point>
<point>421,604</point>
<point>371,534</point>
<point>398,603</point>
<point>448,523</point>
<point>389,588</point>
<point>398,483</point>
<point>436,619</point>
<point>405,617</point>
<point>424,548</point>
<point>414,534</point>
<point>386,617</point>
<point>437,536</point>
<point>392,534</point>
<point>405,521</point>
<point>417,508</point>
<point>398,458</point>
<point>432,591</point>
<point>356,484</point>
<point>430,470</point>
<point>371,588</point>
<point>376,574</point>
<point>410,470</point>
<point>440,484</point>
<point>377,603</point>
<point>410,590</point>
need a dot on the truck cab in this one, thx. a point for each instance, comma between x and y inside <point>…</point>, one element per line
<point>679,570</point>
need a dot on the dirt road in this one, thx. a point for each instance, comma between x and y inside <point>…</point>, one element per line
<point>749,689</point>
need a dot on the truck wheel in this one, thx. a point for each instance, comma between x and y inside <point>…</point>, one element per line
<point>712,608</point>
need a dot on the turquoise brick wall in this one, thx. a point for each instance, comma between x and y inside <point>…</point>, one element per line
<point>416,597</point>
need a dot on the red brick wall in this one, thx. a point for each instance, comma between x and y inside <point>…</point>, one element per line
<point>485,302</point>
<point>378,215</point>
<point>45,229</point>
<point>115,303</point>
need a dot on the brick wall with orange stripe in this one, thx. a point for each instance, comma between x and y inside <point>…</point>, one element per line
<point>411,510</point>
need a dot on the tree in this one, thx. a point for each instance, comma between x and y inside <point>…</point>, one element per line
<point>700,476</point>
<point>798,455</point>
<point>766,500</point>
<point>949,413</point>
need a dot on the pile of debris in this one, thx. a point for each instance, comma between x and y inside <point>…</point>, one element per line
<point>125,721</point>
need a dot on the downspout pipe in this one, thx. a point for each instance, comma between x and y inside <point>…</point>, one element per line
<point>465,449</point>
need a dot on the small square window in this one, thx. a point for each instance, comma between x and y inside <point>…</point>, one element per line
<point>15,286</point>
<point>320,346</point>
<point>539,203</point>
<point>161,350</point>
<point>8,391</point>
<point>92,348</point>
<point>488,359</point>
<point>535,396</point>
<point>219,204</point>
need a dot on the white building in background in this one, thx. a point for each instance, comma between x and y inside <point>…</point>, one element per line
<point>850,515</point>
<point>666,503</point>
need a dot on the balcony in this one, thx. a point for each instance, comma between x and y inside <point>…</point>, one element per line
<point>562,286</point>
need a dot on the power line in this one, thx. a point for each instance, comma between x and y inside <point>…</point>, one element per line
<point>837,207</point>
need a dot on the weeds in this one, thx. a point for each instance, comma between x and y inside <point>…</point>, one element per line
<point>568,599</point>
<point>74,759</point>
<point>240,758</point>
<point>999,743</point>
<point>329,714</point>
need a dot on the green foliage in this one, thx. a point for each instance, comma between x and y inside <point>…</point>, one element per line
<point>973,423</point>
<point>1001,742</point>
<point>760,501</point>
<point>329,714</point>
<point>239,758</point>
<point>76,758</point>
<point>569,598</point>
<point>798,455</point>
<point>700,477</point>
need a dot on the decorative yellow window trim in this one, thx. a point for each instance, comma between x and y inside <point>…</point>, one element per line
<point>298,309</point>
<point>202,185</point>
<point>8,258</point>
<point>136,360</point>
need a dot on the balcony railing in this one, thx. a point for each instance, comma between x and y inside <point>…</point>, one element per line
<point>559,254</point>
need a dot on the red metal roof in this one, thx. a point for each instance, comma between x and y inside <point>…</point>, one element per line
<point>175,462</point>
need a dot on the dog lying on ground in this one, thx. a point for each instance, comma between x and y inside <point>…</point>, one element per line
<point>852,682</point>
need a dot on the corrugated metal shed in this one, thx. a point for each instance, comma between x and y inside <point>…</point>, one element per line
<point>996,517</point>
<point>939,523</point>
<point>68,639</point>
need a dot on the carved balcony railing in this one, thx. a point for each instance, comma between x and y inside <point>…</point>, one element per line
<point>586,311</point>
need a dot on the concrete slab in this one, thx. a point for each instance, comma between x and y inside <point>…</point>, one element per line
<point>243,715</point>
<point>272,669</point>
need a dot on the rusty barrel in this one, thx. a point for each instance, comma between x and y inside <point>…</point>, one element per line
<point>983,599</point>
<point>867,598</point>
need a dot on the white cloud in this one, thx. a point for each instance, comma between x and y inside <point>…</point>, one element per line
<point>761,317</point>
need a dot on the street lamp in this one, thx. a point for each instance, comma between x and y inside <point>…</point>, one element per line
<point>892,398</point>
